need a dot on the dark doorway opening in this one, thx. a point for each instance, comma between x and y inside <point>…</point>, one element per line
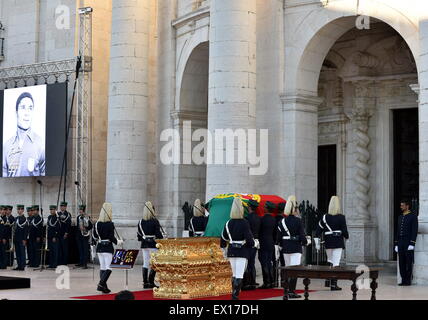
<point>326,176</point>
<point>406,159</point>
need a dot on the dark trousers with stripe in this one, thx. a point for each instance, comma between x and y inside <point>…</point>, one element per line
<point>3,257</point>
<point>405,261</point>
<point>83,246</point>
<point>20,254</point>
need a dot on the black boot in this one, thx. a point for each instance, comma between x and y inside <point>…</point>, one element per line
<point>146,284</point>
<point>152,275</point>
<point>292,282</point>
<point>334,286</point>
<point>246,281</point>
<point>254,279</point>
<point>327,283</point>
<point>272,277</point>
<point>236,289</point>
<point>104,280</point>
<point>100,284</point>
<point>266,280</point>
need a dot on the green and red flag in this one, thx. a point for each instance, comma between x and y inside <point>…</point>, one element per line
<point>219,209</point>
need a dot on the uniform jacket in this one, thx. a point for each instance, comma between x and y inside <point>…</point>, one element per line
<point>149,228</point>
<point>295,228</point>
<point>254,220</point>
<point>267,232</point>
<point>89,227</point>
<point>336,223</point>
<point>11,220</point>
<point>104,231</point>
<point>36,227</point>
<point>239,231</point>
<point>407,231</point>
<point>21,229</point>
<point>3,230</point>
<point>54,227</point>
<point>65,220</point>
<point>199,225</point>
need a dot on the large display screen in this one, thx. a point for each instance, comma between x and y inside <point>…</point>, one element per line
<point>33,132</point>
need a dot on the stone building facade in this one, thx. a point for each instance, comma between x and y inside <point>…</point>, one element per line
<point>338,80</point>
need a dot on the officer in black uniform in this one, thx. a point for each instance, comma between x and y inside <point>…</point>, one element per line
<point>405,242</point>
<point>333,226</point>
<point>238,238</point>
<point>198,222</point>
<point>254,221</point>
<point>148,230</point>
<point>54,228</point>
<point>10,223</point>
<point>291,237</point>
<point>20,237</point>
<point>267,237</point>
<point>3,238</point>
<point>65,220</point>
<point>30,244</point>
<point>83,222</point>
<point>278,257</point>
<point>35,235</point>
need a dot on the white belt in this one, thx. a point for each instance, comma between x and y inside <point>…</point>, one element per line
<point>148,237</point>
<point>334,231</point>
<point>296,238</point>
<point>199,233</point>
<point>238,242</point>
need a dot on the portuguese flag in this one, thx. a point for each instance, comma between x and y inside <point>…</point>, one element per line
<point>219,209</point>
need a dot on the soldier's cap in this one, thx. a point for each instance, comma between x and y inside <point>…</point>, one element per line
<point>82,207</point>
<point>29,209</point>
<point>52,207</point>
<point>63,204</point>
<point>2,207</point>
<point>281,206</point>
<point>20,206</point>
<point>270,205</point>
<point>253,203</point>
<point>36,207</point>
<point>10,207</point>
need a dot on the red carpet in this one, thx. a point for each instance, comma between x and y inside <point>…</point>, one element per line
<point>245,295</point>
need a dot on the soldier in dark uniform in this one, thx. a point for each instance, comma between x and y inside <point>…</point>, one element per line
<point>291,236</point>
<point>148,231</point>
<point>333,225</point>
<point>104,236</point>
<point>65,220</point>
<point>254,221</point>
<point>35,235</point>
<point>198,222</point>
<point>3,239</point>
<point>267,237</point>
<point>10,222</point>
<point>278,258</point>
<point>54,228</point>
<point>30,244</point>
<point>20,237</point>
<point>405,242</point>
<point>237,235</point>
<point>84,224</point>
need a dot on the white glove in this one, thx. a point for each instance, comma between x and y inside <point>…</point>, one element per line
<point>119,242</point>
<point>277,252</point>
<point>396,249</point>
<point>411,248</point>
<point>317,244</point>
<point>308,240</point>
<point>256,244</point>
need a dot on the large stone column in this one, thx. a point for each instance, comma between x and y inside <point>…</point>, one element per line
<point>421,252</point>
<point>362,229</point>
<point>128,112</point>
<point>232,86</point>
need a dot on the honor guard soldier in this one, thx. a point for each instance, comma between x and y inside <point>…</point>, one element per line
<point>267,237</point>
<point>249,282</point>
<point>20,237</point>
<point>280,259</point>
<point>199,221</point>
<point>148,231</point>
<point>35,235</point>
<point>54,228</point>
<point>405,242</point>
<point>65,221</point>
<point>84,224</point>
<point>291,236</point>
<point>104,236</point>
<point>10,223</point>
<point>3,239</point>
<point>29,243</point>
<point>333,226</point>
<point>238,238</point>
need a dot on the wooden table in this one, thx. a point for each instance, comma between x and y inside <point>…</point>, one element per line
<point>327,272</point>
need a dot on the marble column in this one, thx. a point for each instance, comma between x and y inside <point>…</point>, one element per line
<point>128,142</point>
<point>232,87</point>
<point>362,229</point>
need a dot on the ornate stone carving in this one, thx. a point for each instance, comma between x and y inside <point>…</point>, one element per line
<point>365,60</point>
